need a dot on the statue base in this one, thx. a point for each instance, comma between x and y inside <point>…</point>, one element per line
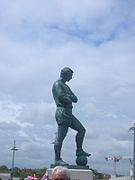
<point>72,166</point>
<point>76,172</point>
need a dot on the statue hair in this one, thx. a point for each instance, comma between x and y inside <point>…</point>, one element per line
<point>65,71</point>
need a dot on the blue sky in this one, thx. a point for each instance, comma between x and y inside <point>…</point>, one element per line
<point>96,40</point>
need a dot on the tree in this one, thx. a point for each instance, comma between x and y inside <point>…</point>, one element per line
<point>3,168</point>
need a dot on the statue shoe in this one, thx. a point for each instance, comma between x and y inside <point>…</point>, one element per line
<point>82,153</point>
<point>61,163</point>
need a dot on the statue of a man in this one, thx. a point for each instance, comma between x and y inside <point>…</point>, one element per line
<point>64,98</point>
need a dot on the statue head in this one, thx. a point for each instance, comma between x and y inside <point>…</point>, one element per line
<point>66,73</point>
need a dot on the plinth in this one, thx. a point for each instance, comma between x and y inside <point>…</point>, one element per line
<point>76,172</point>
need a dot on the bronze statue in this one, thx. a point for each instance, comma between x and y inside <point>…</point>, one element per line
<point>64,98</point>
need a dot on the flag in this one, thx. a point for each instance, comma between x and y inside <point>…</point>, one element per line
<point>45,177</point>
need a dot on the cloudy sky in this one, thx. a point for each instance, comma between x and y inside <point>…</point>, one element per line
<point>94,38</point>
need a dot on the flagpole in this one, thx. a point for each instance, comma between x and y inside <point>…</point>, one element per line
<point>134,155</point>
<point>13,159</point>
<point>133,128</point>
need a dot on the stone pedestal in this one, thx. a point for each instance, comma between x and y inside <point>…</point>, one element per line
<point>77,174</point>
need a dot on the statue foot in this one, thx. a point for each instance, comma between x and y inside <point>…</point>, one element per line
<point>82,152</point>
<point>61,163</point>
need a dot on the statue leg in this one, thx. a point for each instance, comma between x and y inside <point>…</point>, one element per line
<point>62,131</point>
<point>57,150</point>
<point>77,126</point>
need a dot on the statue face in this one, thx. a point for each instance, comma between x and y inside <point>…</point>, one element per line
<point>68,76</point>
